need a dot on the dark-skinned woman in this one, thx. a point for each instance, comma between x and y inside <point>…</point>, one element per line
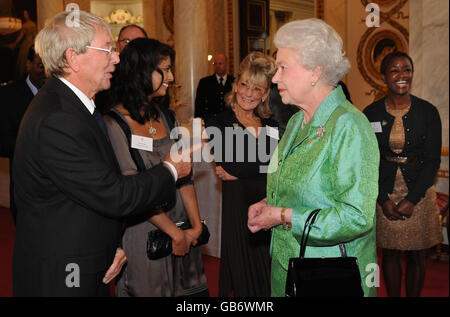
<point>409,136</point>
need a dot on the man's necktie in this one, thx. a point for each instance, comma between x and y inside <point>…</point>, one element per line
<point>221,81</point>
<point>98,117</point>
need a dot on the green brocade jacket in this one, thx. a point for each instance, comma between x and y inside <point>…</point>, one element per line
<point>330,164</point>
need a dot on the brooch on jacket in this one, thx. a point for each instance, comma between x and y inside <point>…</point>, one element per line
<point>320,131</point>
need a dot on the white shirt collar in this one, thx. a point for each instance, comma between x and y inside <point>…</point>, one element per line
<point>224,78</point>
<point>33,88</point>
<point>88,103</point>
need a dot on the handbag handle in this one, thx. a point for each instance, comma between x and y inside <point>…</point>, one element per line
<point>308,224</point>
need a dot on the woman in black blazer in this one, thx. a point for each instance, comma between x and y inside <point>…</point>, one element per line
<point>409,136</point>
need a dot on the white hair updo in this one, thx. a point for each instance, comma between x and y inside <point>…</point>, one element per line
<point>318,44</point>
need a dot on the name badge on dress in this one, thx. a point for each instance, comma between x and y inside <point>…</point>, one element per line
<point>141,143</point>
<point>273,132</point>
<point>376,126</point>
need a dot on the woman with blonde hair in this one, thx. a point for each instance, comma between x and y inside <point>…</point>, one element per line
<point>246,131</point>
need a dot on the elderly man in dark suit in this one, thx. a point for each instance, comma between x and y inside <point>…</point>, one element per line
<point>71,197</point>
<point>211,90</point>
<point>15,99</point>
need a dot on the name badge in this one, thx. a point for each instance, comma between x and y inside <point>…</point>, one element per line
<point>141,143</point>
<point>376,126</point>
<point>273,132</point>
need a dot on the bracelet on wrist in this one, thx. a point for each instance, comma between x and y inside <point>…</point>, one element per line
<point>286,225</point>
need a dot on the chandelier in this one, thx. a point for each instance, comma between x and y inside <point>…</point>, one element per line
<point>9,25</point>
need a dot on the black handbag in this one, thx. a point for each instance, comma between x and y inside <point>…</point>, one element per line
<point>159,243</point>
<point>322,277</point>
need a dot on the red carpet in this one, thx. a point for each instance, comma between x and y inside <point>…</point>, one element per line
<point>436,281</point>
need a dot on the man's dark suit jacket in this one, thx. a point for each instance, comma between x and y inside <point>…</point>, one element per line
<point>15,99</point>
<point>210,96</point>
<point>71,197</point>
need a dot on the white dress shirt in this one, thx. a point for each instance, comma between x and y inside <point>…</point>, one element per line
<point>224,79</point>
<point>32,87</point>
<point>88,103</point>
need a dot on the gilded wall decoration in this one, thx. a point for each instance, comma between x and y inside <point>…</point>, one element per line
<point>168,15</point>
<point>320,9</point>
<point>230,37</point>
<point>377,42</point>
<point>122,16</point>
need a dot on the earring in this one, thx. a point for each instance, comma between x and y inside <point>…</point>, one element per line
<point>263,100</point>
<point>313,84</point>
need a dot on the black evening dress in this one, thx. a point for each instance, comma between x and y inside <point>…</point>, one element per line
<point>245,258</point>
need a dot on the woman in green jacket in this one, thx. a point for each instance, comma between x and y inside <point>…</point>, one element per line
<point>327,159</point>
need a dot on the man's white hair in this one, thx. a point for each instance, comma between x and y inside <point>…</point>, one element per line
<point>61,33</point>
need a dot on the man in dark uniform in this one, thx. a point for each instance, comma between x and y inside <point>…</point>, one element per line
<point>15,98</point>
<point>211,90</point>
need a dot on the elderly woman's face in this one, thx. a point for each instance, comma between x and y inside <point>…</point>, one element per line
<point>166,67</point>
<point>249,95</point>
<point>293,80</point>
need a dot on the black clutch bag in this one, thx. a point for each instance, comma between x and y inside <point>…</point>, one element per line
<point>159,244</point>
<point>322,277</point>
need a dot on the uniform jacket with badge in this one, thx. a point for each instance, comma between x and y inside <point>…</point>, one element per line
<point>423,140</point>
<point>331,164</point>
<point>210,97</point>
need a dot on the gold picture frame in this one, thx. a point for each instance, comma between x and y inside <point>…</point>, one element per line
<point>374,46</point>
<point>256,15</point>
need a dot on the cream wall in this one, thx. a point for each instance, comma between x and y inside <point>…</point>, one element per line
<point>429,47</point>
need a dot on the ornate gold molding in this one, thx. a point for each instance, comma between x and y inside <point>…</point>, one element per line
<point>168,15</point>
<point>320,9</point>
<point>377,42</point>
<point>230,36</point>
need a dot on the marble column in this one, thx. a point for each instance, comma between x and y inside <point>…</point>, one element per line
<point>192,42</point>
<point>191,46</point>
<point>46,9</point>
<point>429,49</point>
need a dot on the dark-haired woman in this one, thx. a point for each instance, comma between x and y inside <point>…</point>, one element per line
<point>140,81</point>
<point>408,130</point>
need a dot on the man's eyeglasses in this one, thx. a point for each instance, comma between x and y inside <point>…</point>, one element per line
<point>110,51</point>
<point>125,40</point>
